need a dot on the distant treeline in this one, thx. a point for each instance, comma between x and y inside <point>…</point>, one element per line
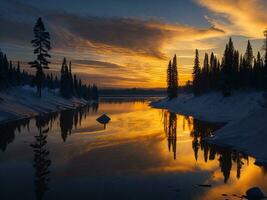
<point>11,75</point>
<point>132,92</point>
<point>234,71</point>
<point>69,85</point>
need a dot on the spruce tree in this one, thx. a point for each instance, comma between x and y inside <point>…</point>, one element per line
<point>18,74</point>
<point>196,74</point>
<point>227,76</point>
<point>214,72</point>
<point>169,79</point>
<point>64,79</point>
<point>205,73</point>
<point>70,80</point>
<point>235,74</point>
<point>3,71</point>
<point>80,88</point>
<point>257,71</point>
<point>41,44</point>
<point>248,62</point>
<point>75,85</point>
<point>174,77</point>
<point>242,71</point>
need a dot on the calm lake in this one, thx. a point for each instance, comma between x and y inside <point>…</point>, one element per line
<point>142,153</point>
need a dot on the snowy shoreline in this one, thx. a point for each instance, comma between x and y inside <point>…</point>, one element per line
<point>245,119</point>
<point>22,102</point>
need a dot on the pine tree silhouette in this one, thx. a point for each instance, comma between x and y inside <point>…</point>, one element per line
<point>41,44</point>
<point>172,78</point>
<point>196,75</point>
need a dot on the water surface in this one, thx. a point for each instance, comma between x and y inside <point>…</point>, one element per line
<point>143,153</point>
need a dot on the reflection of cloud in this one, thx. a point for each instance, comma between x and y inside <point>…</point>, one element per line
<point>251,176</point>
<point>241,17</point>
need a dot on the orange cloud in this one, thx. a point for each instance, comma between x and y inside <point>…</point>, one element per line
<point>126,52</point>
<point>126,36</point>
<point>246,18</point>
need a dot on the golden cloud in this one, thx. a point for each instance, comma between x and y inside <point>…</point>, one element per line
<point>244,17</point>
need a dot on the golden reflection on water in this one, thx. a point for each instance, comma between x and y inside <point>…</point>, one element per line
<point>143,141</point>
<point>167,143</point>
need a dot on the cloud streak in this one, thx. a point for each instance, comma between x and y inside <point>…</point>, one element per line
<point>108,35</point>
<point>246,18</point>
<point>136,50</point>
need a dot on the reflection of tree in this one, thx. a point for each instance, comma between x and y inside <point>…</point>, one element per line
<point>46,120</point>
<point>95,107</point>
<point>66,123</point>
<point>7,131</point>
<point>199,132</point>
<point>70,118</point>
<point>170,127</point>
<point>238,157</point>
<point>67,120</point>
<point>41,161</point>
<point>225,163</point>
<point>202,130</point>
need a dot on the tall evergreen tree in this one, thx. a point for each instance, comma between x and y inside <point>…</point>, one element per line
<point>174,77</point>
<point>236,78</point>
<point>258,72</point>
<point>205,73</point>
<point>248,62</point>
<point>18,74</point>
<point>169,79</point>
<point>70,80</point>
<point>227,69</point>
<point>75,85</point>
<point>41,44</point>
<point>64,79</point>
<point>3,71</point>
<point>214,72</point>
<point>196,74</point>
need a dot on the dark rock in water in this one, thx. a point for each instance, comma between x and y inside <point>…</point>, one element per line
<point>255,193</point>
<point>103,119</point>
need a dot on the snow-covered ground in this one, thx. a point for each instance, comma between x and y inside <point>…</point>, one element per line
<point>246,127</point>
<point>21,102</point>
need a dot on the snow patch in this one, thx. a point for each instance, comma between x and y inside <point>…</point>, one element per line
<point>22,102</point>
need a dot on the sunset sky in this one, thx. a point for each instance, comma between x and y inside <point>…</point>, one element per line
<point>127,43</point>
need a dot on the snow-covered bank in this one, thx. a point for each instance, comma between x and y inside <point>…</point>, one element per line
<point>22,102</point>
<point>246,127</point>
<point>213,107</point>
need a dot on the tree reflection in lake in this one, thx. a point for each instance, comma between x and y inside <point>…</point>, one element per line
<point>128,146</point>
<point>199,131</point>
<point>170,127</point>
<point>8,131</point>
<point>41,160</point>
<point>68,119</point>
<point>73,118</point>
